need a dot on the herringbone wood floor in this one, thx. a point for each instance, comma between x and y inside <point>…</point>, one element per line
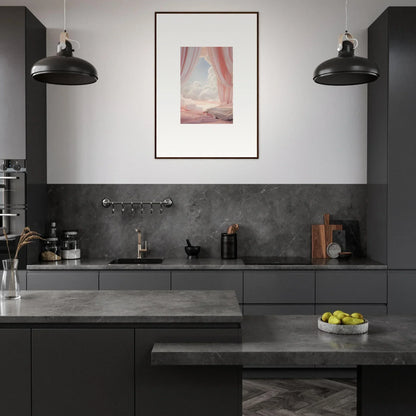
<point>294,397</point>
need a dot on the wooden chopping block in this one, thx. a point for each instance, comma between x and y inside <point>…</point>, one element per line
<point>322,236</point>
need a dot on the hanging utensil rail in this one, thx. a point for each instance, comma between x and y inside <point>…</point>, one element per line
<point>132,206</point>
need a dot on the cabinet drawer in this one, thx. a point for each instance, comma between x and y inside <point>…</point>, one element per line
<point>209,280</point>
<point>22,279</point>
<point>279,287</point>
<point>402,292</point>
<point>279,309</point>
<point>364,308</point>
<point>135,280</point>
<point>351,286</point>
<point>62,280</point>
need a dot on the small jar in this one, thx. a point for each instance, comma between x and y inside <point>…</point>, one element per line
<point>50,250</point>
<point>70,249</point>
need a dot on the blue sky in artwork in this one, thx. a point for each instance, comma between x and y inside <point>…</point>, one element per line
<point>200,72</point>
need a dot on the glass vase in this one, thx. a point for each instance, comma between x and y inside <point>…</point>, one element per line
<point>10,287</point>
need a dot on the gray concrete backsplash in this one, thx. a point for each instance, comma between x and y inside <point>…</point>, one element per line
<point>275,220</point>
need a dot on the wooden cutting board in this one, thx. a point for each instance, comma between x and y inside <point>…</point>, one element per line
<point>322,236</point>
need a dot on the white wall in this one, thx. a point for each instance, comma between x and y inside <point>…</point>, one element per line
<point>104,133</point>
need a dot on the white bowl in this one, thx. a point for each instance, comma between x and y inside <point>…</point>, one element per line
<point>343,329</point>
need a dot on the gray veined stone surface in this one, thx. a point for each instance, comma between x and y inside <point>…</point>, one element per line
<point>274,220</point>
<point>131,306</point>
<point>209,264</point>
<point>291,341</point>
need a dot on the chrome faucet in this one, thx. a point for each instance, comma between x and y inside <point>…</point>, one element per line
<point>141,251</point>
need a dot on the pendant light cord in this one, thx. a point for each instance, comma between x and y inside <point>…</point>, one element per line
<point>346,16</point>
<point>64,15</point>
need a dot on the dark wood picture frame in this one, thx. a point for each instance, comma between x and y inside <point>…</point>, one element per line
<point>257,82</point>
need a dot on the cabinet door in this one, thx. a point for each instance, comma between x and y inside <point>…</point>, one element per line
<point>209,280</point>
<point>402,292</point>
<point>83,372</point>
<point>15,396</point>
<point>186,390</point>
<point>401,226</point>
<point>279,286</point>
<point>62,280</point>
<point>12,83</point>
<point>279,309</point>
<point>132,280</point>
<point>364,286</point>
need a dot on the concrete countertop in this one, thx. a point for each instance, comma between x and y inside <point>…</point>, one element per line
<point>121,307</point>
<point>290,341</point>
<point>211,264</point>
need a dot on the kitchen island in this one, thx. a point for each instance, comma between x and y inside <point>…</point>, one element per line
<point>385,357</point>
<point>88,353</point>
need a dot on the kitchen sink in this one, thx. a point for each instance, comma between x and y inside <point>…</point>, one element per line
<point>149,260</point>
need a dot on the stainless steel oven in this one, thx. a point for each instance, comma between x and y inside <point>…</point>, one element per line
<point>12,201</point>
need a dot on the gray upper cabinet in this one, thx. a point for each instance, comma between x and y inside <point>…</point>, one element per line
<point>279,287</point>
<point>391,139</point>
<point>209,280</point>
<point>132,280</point>
<point>362,286</point>
<point>62,280</point>
<point>22,100</point>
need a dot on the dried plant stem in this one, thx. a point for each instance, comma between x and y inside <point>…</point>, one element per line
<point>7,243</point>
<point>26,237</point>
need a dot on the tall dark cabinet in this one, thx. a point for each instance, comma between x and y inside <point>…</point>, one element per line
<point>392,154</point>
<point>23,124</point>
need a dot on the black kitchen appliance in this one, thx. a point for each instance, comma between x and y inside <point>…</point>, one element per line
<point>23,191</point>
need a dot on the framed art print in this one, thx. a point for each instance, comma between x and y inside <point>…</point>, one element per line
<point>206,85</point>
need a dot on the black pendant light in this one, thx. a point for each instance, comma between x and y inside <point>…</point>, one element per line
<point>64,68</point>
<point>346,68</point>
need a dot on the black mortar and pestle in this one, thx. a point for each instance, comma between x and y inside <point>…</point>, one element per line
<point>192,251</point>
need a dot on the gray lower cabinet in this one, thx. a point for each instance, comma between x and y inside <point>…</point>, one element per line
<point>185,390</point>
<point>402,292</point>
<point>15,380</point>
<point>364,308</point>
<point>21,274</point>
<point>351,287</point>
<point>135,280</point>
<point>209,280</point>
<point>62,280</point>
<point>279,292</point>
<point>279,309</point>
<point>82,372</point>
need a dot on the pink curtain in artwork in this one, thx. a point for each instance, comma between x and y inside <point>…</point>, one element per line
<point>189,58</point>
<point>222,61</point>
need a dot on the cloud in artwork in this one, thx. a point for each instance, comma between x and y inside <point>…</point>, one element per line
<point>202,91</point>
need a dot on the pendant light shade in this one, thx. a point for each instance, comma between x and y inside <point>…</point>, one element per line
<point>64,69</point>
<point>346,68</point>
